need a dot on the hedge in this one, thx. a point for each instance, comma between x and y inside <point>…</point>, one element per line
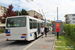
<point>69,30</point>
<point>2,30</point>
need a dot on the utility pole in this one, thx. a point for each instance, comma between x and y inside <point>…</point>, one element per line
<point>39,13</point>
<point>34,6</point>
<point>57,13</point>
<point>39,9</point>
<point>44,16</point>
<point>54,18</point>
<point>18,10</point>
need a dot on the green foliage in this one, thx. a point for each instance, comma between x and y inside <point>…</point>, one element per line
<point>2,30</point>
<point>66,42</point>
<point>8,13</point>
<point>22,12</point>
<point>63,23</point>
<point>70,30</point>
<point>19,13</point>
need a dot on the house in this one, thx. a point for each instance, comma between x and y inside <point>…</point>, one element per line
<point>70,18</point>
<point>33,13</point>
<point>3,9</point>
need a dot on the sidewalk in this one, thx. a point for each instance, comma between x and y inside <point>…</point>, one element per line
<point>2,33</point>
<point>45,43</point>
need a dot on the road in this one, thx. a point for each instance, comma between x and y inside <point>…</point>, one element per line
<point>12,45</point>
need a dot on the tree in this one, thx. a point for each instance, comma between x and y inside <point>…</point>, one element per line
<point>19,13</point>
<point>9,13</point>
<point>24,12</point>
<point>63,23</point>
<point>0,18</point>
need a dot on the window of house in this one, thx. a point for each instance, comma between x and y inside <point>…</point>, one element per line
<point>73,15</point>
<point>2,12</point>
<point>1,8</point>
<point>73,18</point>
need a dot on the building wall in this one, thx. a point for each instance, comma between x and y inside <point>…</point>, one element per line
<point>2,10</point>
<point>71,18</point>
<point>33,13</point>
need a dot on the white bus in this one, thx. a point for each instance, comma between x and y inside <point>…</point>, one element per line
<point>22,28</point>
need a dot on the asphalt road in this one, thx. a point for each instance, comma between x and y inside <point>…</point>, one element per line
<point>12,45</point>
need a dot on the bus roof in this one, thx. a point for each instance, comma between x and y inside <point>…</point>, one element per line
<point>17,16</point>
<point>26,16</point>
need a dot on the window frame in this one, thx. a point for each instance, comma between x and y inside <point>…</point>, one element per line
<point>32,21</point>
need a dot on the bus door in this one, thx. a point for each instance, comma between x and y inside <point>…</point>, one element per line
<point>39,26</point>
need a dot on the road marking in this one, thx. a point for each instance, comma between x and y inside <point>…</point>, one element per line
<point>31,44</point>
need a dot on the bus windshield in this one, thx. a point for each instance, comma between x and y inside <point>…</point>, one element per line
<point>16,22</point>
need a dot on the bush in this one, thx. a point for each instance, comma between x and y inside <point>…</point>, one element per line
<point>70,30</point>
<point>2,30</point>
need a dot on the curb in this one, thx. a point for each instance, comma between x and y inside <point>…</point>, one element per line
<point>53,44</point>
<point>2,33</point>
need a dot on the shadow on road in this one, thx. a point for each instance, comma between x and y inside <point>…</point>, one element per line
<point>15,43</point>
<point>20,43</point>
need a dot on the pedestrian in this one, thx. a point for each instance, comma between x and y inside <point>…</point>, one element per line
<point>45,29</point>
<point>42,31</point>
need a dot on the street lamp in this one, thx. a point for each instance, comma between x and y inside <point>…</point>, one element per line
<point>18,10</point>
<point>57,13</point>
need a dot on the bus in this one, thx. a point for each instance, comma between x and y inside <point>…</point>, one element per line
<point>48,25</point>
<point>23,28</point>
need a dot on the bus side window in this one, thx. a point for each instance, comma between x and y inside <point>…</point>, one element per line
<point>34,25</point>
<point>30,23</point>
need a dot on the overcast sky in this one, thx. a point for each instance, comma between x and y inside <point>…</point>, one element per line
<point>49,7</point>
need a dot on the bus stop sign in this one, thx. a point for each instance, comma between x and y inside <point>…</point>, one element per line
<point>57,27</point>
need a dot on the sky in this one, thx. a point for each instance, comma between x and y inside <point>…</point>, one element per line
<point>48,8</point>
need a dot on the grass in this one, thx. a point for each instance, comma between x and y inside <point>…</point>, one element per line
<point>64,43</point>
<point>2,30</point>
